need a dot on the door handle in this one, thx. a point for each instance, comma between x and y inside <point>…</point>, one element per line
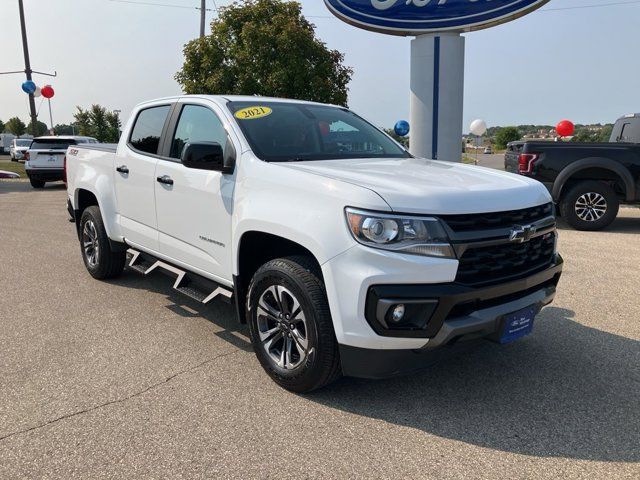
<point>165,180</point>
<point>122,169</point>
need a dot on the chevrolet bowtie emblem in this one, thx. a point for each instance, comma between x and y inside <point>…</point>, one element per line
<point>520,234</point>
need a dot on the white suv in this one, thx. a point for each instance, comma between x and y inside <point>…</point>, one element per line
<point>45,158</point>
<point>19,146</point>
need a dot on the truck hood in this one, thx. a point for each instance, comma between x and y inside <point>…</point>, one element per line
<point>417,185</point>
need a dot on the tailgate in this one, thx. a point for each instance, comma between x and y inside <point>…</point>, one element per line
<point>48,152</point>
<point>46,159</point>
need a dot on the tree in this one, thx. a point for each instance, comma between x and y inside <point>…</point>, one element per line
<point>404,141</point>
<point>605,133</point>
<point>16,126</point>
<point>113,126</point>
<point>98,119</point>
<point>506,135</point>
<point>41,128</point>
<point>264,47</point>
<point>64,129</point>
<point>1,126</point>
<point>83,122</point>
<point>98,122</point>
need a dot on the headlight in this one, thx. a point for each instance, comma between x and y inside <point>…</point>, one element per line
<point>415,235</point>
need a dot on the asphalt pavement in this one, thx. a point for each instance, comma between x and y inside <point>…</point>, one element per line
<point>128,379</point>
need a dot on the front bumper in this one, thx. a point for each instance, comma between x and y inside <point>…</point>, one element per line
<point>457,332</point>
<point>463,313</point>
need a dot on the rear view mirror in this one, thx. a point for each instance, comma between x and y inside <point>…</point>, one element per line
<point>207,156</point>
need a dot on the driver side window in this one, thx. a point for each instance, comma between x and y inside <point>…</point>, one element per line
<point>197,124</point>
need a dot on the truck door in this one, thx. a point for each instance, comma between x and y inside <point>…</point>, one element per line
<point>194,206</point>
<point>134,179</point>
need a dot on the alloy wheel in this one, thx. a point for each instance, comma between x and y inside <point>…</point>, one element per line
<point>90,244</point>
<point>591,207</point>
<point>282,327</point>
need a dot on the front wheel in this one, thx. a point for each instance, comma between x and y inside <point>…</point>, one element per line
<point>291,327</point>
<point>590,206</point>
<point>101,261</point>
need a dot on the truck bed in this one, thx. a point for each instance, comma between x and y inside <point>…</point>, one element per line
<point>101,147</point>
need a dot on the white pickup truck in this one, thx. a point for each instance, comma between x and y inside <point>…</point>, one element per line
<point>345,254</point>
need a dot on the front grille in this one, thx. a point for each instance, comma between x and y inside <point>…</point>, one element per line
<point>499,263</point>
<point>488,221</point>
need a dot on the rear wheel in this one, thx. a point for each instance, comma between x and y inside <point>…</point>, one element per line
<point>590,205</point>
<point>101,261</point>
<point>36,183</point>
<point>291,327</point>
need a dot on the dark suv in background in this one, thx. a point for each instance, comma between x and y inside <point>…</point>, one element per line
<point>588,181</point>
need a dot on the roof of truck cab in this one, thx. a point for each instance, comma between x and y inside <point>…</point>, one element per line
<point>234,98</point>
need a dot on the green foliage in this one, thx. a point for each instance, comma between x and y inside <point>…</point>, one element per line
<point>506,135</point>
<point>404,141</point>
<point>99,123</point>
<point>584,134</point>
<point>264,47</point>
<point>1,126</point>
<point>41,128</point>
<point>64,129</point>
<point>16,126</point>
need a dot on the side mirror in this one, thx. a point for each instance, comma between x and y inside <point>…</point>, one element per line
<point>208,156</point>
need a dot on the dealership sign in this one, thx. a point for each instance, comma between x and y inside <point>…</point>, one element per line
<point>415,17</point>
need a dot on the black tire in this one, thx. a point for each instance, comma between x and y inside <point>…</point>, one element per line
<point>107,263</point>
<point>36,183</point>
<point>600,215</point>
<point>319,365</point>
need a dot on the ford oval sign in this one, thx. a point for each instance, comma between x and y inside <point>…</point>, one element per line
<point>415,17</point>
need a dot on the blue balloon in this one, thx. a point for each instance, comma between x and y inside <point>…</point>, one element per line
<point>402,128</point>
<point>28,87</point>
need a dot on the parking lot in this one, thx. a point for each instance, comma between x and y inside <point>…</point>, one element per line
<point>129,379</point>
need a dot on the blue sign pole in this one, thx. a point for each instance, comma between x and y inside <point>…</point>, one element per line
<point>437,57</point>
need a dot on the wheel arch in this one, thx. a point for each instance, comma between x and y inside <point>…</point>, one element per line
<point>597,163</point>
<point>254,249</point>
<point>83,198</point>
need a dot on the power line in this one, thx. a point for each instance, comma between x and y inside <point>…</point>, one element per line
<point>331,17</point>
<point>169,5</point>
<point>612,4</point>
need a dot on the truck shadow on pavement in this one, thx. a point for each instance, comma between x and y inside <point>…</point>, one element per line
<point>13,186</point>
<point>567,391</point>
<point>217,312</point>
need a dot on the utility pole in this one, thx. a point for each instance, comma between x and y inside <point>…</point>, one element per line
<point>203,18</point>
<point>27,68</point>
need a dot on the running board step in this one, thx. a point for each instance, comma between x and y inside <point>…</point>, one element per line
<point>193,286</point>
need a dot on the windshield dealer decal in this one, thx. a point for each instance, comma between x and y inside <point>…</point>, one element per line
<point>251,113</point>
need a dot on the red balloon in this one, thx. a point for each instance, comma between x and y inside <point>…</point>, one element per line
<point>325,128</point>
<point>47,91</point>
<point>565,128</point>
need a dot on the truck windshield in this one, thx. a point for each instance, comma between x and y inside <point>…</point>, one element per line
<point>282,132</point>
<point>23,143</point>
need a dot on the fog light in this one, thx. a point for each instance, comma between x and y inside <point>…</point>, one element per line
<point>398,313</point>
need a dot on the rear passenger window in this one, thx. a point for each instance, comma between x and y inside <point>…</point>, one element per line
<point>147,130</point>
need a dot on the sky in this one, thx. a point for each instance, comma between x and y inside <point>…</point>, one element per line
<point>579,64</point>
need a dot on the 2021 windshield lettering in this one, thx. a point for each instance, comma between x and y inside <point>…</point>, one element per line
<point>386,4</point>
